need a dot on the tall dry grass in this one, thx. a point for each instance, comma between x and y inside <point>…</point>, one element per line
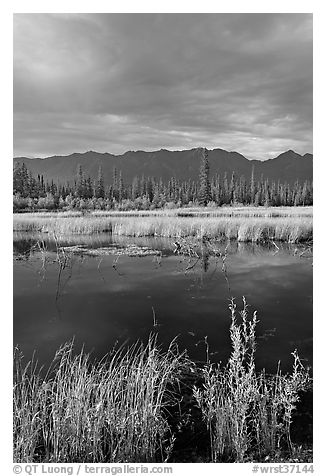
<point>289,228</point>
<point>119,409</point>
<point>111,411</point>
<point>224,211</point>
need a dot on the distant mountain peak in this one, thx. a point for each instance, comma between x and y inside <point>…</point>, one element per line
<point>289,153</point>
<point>164,164</point>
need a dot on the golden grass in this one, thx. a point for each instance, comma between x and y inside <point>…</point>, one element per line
<point>117,410</point>
<point>111,411</point>
<point>245,224</point>
<point>225,211</point>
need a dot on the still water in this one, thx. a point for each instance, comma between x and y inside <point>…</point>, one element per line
<point>108,300</point>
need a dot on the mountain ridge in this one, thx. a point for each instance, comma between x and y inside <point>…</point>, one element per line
<point>288,166</point>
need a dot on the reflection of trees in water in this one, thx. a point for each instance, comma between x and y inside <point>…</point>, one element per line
<point>204,258</point>
<point>208,254</point>
<point>65,261</point>
<point>23,248</point>
<point>205,261</point>
<point>26,248</point>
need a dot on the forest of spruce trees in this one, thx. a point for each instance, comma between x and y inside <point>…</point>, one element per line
<point>143,193</point>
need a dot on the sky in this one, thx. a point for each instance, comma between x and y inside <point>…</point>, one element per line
<point>118,82</point>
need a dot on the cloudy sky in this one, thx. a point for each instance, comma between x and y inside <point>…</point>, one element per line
<point>118,82</point>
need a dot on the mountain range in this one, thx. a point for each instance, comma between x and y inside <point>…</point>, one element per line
<point>183,165</point>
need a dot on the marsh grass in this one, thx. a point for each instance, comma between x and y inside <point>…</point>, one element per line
<point>124,408</point>
<point>224,211</point>
<point>244,225</point>
<point>248,413</point>
<point>110,411</point>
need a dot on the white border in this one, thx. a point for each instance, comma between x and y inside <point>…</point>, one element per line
<point>67,6</point>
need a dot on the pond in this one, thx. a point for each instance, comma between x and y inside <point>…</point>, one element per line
<point>107,298</point>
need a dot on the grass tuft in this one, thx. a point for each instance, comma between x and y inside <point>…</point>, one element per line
<point>120,408</point>
<point>111,411</point>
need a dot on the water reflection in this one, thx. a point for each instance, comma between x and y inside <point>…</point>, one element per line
<point>102,299</point>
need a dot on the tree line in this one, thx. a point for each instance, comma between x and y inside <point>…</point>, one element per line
<point>143,193</point>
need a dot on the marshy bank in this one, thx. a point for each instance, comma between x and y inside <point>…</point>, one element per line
<point>141,404</point>
<point>199,399</point>
<point>244,224</point>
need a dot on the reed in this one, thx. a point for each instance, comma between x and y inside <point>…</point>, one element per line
<point>291,228</point>
<point>111,411</point>
<point>224,211</point>
<point>120,408</point>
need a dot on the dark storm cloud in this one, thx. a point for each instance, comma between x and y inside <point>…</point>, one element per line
<point>114,82</point>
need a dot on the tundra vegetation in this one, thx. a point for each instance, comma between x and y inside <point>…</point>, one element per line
<point>150,193</point>
<point>136,403</point>
<point>221,209</point>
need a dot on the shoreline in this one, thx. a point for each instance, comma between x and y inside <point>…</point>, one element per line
<point>243,224</point>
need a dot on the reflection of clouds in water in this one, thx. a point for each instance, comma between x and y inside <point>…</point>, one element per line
<point>308,341</point>
<point>285,274</point>
<point>241,262</point>
<point>100,305</point>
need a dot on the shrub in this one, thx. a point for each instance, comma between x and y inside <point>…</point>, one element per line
<point>247,412</point>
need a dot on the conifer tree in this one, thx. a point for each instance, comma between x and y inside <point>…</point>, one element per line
<point>120,188</point>
<point>80,182</point>
<point>99,188</point>
<point>252,186</point>
<point>135,188</point>
<point>204,195</point>
<point>17,179</point>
